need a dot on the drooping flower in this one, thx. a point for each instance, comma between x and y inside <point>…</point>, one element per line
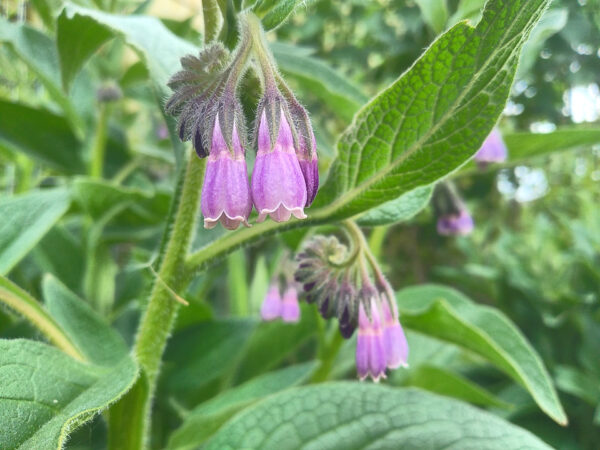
<point>226,191</point>
<point>370,346</point>
<point>306,149</point>
<point>455,224</point>
<point>290,309</point>
<point>453,218</point>
<point>278,186</point>
<point>493,149</point>
<point>272,305</point>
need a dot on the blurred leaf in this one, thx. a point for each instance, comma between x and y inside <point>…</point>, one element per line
<point>317,78</point>
<point>216,348</point>
<point>158,47</point>
<point>353,415</point>
<point>42,135</point>
<point>27,218</point>
<point>401,209</point>
<point>45,394</point>
<point>96,340</point>
<point>446,314</point>
<point>581,385</point>
<point>450,384</point>
<point>529,145</point>
<point>467,10</point>
<point>273,341</point>
<point>203,421</point>
<point>435,13</point>
<point>551,23</point>
<point>38,51</point>
<point>434,117</point>
<point>275,12</point>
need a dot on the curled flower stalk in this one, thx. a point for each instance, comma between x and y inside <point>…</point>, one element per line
<point>206,100</point>
<point>352,288</point>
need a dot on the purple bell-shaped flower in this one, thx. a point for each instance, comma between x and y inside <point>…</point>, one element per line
<point>370,345</point>
<point>493,149</point>
<point>226,191</point>
<point>272,304</point>
<point>396,347</point>
<point>290,309</point>
<point>278,186</point>
<point>455,224</point>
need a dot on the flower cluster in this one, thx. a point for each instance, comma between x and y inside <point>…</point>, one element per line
<point>285,177</point>
<point>340,285</point>
<point>453,218</point>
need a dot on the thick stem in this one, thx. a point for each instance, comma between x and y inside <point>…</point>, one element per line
<point>130,417</point>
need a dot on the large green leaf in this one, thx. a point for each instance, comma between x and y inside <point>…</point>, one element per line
<point>45,394</point>
<point>38,51</point>
<point>42,135</point>
<point>401,209</point>
<point>356,416</point>
<point>159,48</point>
<point>435,116</point>
<point>25,220</point>
<point>204,420</point>
<point>92,336</point>
<point>319,79</point>
<point>528,145</point>
<point>446,314</point>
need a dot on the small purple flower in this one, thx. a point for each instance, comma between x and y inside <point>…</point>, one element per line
<point>396,347</point>
<point>226,191</point>
<point>460,224</point>
<point>272,305</point>
<point>278,186</point>
<point>493,149</point>
<point>309,165</point>
<point>370,345</point>
<point>290,309</point>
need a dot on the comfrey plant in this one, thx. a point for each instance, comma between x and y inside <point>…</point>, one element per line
<point>253,149</point>
<point>285,178</point>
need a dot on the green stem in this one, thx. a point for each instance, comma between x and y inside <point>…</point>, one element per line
<point>212,19</point>
<point>130,417</point>
<point>322,373</point>
<point>97,160</point>
<point>376,240</point>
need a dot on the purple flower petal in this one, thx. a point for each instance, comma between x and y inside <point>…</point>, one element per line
<point>272,304</point>
<point>455,224</point>
<point>493,149</point>
<point>290,311</point>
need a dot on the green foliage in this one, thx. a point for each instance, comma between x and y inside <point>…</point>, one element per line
<point>354,416</point>
<point>58,395</point>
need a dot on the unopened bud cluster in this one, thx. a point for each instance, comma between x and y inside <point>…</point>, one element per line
<point>285,176</point>
<point>342,288</point>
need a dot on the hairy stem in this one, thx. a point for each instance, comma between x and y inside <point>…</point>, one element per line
<point>130,418</point>
<point>212,19</point>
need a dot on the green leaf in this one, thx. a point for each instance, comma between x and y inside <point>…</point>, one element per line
<point>575,382</point>
<point>401,209</point>
<point>275,12</point>
<point>448,383</point>
<point>92,336</point>
<point>529,145</point>
<point>446,314</point>
<point>45,394</point>
<point>320,79</point>
<point>27,129</point>
<point>356,415</point>
<point>204,420</point>
<point>435,116</point>
<point>273,341</point>
<point>157,46</point>
<point>435,13</point>
<point>217,345</point>
<point>30,217</point>
<point>467,10</point>
<point>38,52</point>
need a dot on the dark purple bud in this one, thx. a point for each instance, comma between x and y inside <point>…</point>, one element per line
<point>226,192</point>
<point>198,144</point>
<point>493,149</point>
<point>278,188</point>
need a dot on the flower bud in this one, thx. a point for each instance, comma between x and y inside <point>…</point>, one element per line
<point>306,150</point>
<point>278,187</point>
<point>290,309</point>
<point>453,219</point>
<point>226,191</point>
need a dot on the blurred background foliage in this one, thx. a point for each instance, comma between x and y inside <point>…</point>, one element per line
<point>534,254</point>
